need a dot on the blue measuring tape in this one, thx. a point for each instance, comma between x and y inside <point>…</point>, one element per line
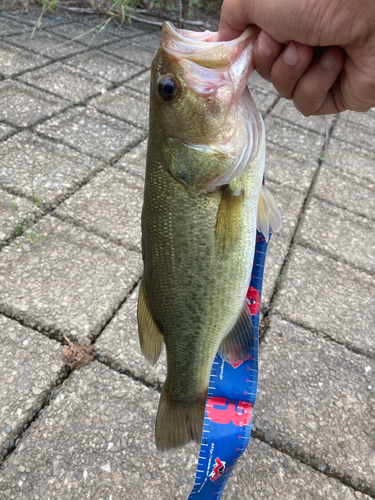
<point>230,400</point>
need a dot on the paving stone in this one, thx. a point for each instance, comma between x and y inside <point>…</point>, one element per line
<point>266,473</point>
<point>323,294</point>
<point>256,80</point>
<point>92,132</point>
<point>66,82</point>
<point>352,159</point>
<point>343,235</point>
<point>357,129</point>
<point>346,191</point>
<point>314,401</point>
<point>30,366</point>
<point>293,137</point>
<point>110,205</point>
<point>285,109</point>
<point>125,104</point>
<point>140,83</point>
<point>46,44</point>
<point>5,130</point>
<point>22,106</point>
<point>69,283</point>
<point>135,160</point>
<point>8,27</point>
<point>89,35</point>
<point>106,66</point>
<point>263,99</point>
<point>289,168</point>
<point>32,17</point>
<point>100,427</point>
<point>118,346</point>
<point>14,213</point>
<point>53,171</point>
<point>14,60</point>
<point>131,50</point>
<point>151,39</point>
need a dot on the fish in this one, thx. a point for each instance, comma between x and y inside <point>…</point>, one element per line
<point>203,201</point>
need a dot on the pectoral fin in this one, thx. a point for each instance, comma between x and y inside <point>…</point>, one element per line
<point>150,337</point>
<point>238,343</point>
<point>229,219</point>
<point>268,216</point>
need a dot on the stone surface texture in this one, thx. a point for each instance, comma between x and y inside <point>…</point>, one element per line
<point>74,104</point>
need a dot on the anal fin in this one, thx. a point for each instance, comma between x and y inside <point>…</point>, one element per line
<point>229,219</point>
<point>150,337</point>
<point>237,345</point>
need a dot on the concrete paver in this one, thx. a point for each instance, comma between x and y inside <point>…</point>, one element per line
<point>85,129</point>
<point>329,296</point>
<point>69,283</point>
<point>65,82</point>
<point>351,192</point>
<point>321,405</point>
<point>110,205</point>
<point>263,99</point>
<point>364,129</point>
<point>286,110</point>
<point>131,50</point>
<point>89,35</point>
<point>22,106</point>
<point>53,171</point>
<point>125,104</point>
<point>46,44</point>
<point>30,365</point>
<point>14,60</point>
<point>140,83</point>
<point>343,235</point>
<point>109,67</point>
<point>134,161</point>
<point>14,211</point>
<point>352,159</point>
<point>8,28</point>
<point>6,130</point>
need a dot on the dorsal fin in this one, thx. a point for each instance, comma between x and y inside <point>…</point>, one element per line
<point>238,343</point>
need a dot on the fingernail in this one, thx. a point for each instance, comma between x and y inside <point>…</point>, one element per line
<point>264,49</point>
<point>291,56</point>
<point>328,60</point>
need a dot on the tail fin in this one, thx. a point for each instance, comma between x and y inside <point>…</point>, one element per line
<point>178,422</point>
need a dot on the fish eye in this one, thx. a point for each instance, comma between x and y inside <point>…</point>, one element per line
<point>167,88</point>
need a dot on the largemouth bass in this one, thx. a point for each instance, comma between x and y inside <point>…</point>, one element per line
<point>203,200</point>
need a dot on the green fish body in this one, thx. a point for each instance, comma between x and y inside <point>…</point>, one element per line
<point>205,164</point>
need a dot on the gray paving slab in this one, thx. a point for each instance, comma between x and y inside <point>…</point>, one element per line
<point>118,346</point>
<point>140,83</point>
<point>285,109</point>
<point>359,129</point>
<point>21,105</point>
<point>263,99</point>
<point>352,159</point>
<point>92,132</point>
<point>346,191</point>
<point>110,205</point>
<point>53,171</point>
<point>14,60</point>
<point>89,35</point>
<point>135,160</point>
<point>69,283</point>
<point>151,39</point>
<point>131,50</point>
<point>32,16</point>
<point>109,67</point>
<point>101,429</point>
<point>289,168</point>
<point>316,400</point>
<point>328,296</point>
<point>46,44</point>
<point>15,213</point>
<point>265,473</point>
<point>293,137</point>
<point>256,80</point>
<point>9,27</point>
<point>66,82</point>
<point>125,104</point>
<point>30,366</point>
<point>339,233</point>
<point>5,130</point>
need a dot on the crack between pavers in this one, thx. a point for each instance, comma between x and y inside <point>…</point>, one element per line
<point>342,207</point>
<point>315,463</point>
<point>271,107</point>
<point>306,129</point>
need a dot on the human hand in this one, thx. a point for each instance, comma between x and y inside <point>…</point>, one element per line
<point>320,53</point>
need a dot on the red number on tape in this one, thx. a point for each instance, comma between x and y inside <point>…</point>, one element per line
<point>220,411</point>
